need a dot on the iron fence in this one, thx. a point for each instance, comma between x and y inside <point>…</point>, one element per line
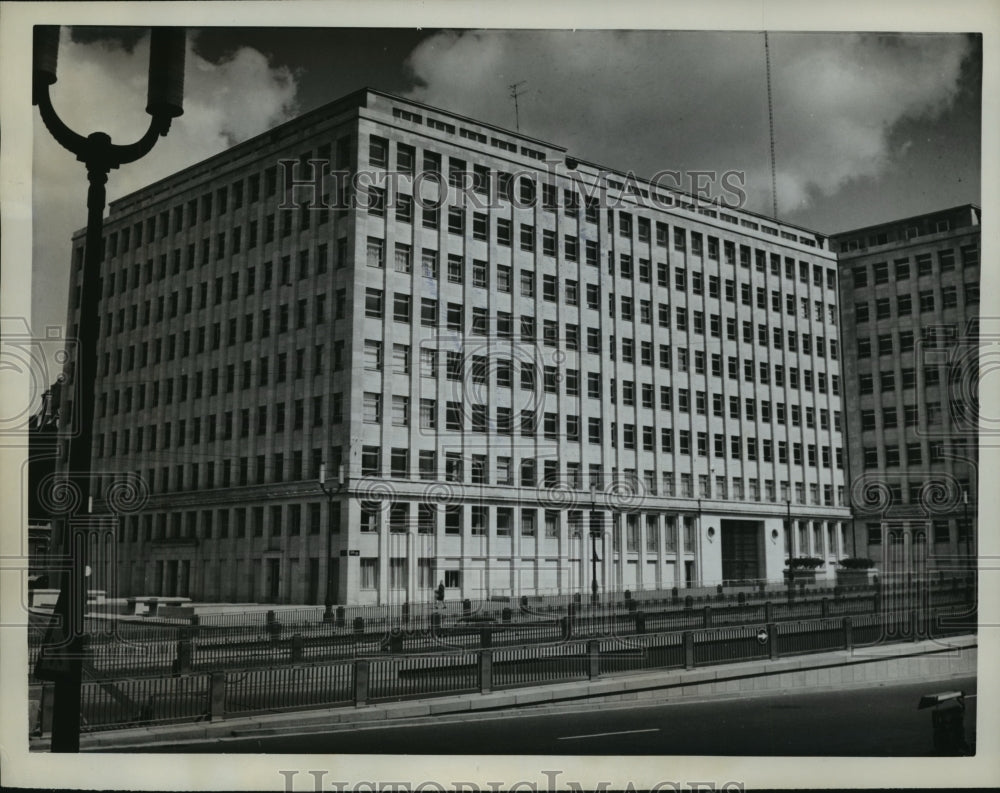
<point>204,647</point>
<point>810,636</point>
<point>422,676</point>
<point>143,701</point>
<point>727,645</point>
<point>638,653</point>
<point>111,704</point>
<point>527,666</point>
<point>288,688</point>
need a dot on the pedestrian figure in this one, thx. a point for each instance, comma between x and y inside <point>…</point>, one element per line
<point>439,594</point>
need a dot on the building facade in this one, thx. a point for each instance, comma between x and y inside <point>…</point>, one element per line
<point>910,303</point>
<point>492,349</point>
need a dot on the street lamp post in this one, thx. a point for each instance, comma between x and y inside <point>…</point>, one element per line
<point>66,640</point>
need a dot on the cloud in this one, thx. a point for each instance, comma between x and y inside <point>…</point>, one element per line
<point>102,86</point>
<point>651,100</point>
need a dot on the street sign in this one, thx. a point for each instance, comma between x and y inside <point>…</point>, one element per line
<point>762,636</point>
<point>354,553</point>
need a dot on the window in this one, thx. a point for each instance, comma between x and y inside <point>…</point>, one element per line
<point>369,569</point>
<point>372,408</point>
<point>373,303</point>
<point>370,461</point>
<point>400,411</point>
<point>428,414</point>
<point>373,355</point>
<point>378,151</point>
<point>401,358</point>
<point>400,307</point>
<point>376,252</point>
<point>428,311</point>
<point>403,258</point>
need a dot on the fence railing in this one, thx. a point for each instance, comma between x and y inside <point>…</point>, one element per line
<point>114,704</point>
<point>206,648</point>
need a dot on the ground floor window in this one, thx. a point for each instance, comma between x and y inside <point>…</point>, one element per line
<point>369,573</point>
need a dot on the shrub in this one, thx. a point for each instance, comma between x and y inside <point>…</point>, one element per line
<point>804,563</point>
<point>856,563</point>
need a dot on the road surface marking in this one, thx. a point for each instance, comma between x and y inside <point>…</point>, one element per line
<point>603,734</point>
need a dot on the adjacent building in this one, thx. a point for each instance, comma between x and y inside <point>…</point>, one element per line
<point>910,302</point>
<point>490,349</point>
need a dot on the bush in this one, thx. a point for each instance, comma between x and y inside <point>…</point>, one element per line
<point>804,563</point>
<point>856,563</point>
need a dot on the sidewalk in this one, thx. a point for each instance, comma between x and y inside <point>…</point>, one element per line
<point>910,660</point>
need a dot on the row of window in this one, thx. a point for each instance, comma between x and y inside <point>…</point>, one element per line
<point>549,473</point>
<point>272,273</point>
<point>201,340</point>
<point>941,531</point>
<point>923,263</point>
<point>264,420</point>
<point>460,417</point>
<point>887,381</point>
<point>524,190</point>
<point>939,452</point>
<point>904,302</point>
<point>493,470</point>
<point>403,255</point>
<point>963,415</point>
<point>482,323</point>
<point>213,203</point>
<point>305,314</point>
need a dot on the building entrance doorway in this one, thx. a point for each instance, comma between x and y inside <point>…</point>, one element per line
<point>273,580</point>
<point>741,550</point>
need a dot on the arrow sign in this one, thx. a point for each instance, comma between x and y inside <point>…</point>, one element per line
<point>762,636</point>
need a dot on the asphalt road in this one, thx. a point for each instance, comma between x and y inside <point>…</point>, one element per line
<point>877,721</point>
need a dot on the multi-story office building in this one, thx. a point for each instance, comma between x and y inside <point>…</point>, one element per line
<point>494,349</point>
<point>910,302</point>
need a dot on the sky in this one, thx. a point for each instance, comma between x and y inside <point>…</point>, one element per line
<point>867,127</point>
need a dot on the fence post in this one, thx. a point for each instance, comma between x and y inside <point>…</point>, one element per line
<point>45,709</point>
<point>361,671</point>
<point>485,671</point>
<point>640,622</point>
<point>914,632</point>
<point>594,654</point>
<point>217,696</point>
<point>848,633</point>
<point>772,638</point>
<point>707,617</point>
<point>296,647</point>
<point>485,638</point>
<point>768,611</point>
<point>565,628</point>
<point>688,638</point>
<point>824,606</point>
<point>182,663</point>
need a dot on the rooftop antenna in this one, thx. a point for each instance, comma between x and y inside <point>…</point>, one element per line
<point>770,123</point>
<point>515,93</point>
